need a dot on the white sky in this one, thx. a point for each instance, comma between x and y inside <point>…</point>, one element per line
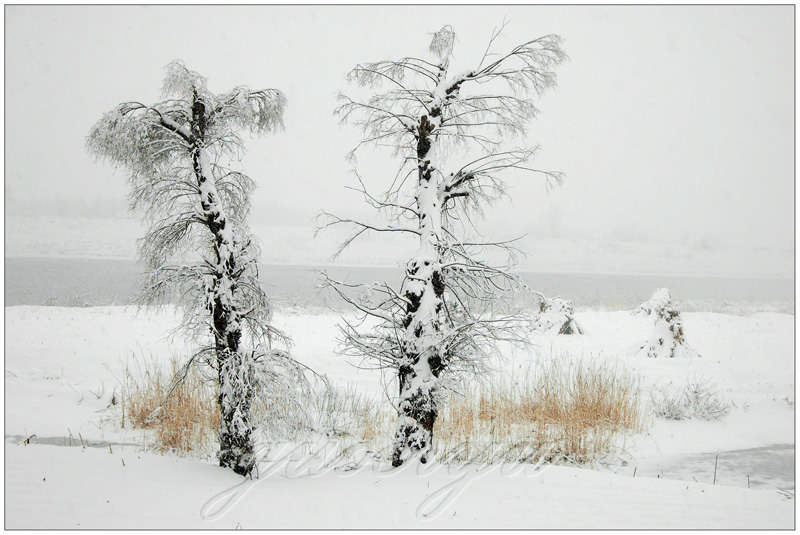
<point>673,124</point>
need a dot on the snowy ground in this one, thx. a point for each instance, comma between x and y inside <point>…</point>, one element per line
<point>62,366</point>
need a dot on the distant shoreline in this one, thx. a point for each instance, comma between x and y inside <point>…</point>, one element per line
<point>98,282</point>
<point>323,266</point>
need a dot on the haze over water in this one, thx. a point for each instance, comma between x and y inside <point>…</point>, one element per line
<point>97,282</point>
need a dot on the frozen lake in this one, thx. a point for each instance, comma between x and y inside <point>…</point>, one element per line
<point>768,466</point>
<point>91,282</point>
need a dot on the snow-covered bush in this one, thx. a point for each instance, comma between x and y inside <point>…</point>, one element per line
<point>556,315</point>
<point>667,338</point>
<point>698,398</point>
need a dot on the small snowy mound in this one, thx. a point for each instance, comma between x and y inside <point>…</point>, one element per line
<point>556,315</point>
<point>667,339</point>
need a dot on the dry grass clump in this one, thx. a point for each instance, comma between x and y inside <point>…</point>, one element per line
<point>561,411</point>
<point>186,421</point>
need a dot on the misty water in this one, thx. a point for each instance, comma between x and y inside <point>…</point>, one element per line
<point>95,282</point>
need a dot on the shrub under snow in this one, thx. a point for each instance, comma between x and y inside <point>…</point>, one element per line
<point>556,315</point>
<point>667,339</point>
<point>696,399</point>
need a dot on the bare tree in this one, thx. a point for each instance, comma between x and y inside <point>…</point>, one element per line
<point>177,152</point>
<point>441,320</point>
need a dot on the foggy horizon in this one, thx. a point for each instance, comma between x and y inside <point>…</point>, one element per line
<point>664,139</point>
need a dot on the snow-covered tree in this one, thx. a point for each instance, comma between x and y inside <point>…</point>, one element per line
<point>441,320</point>
<point>667,339</point>
<point>198,247</point>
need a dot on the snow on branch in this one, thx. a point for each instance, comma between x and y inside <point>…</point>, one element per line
<point>180,80</point>
<point>259,112</point>
<point>466,107</point>
<point>442,42</point>
<point>137,137</point>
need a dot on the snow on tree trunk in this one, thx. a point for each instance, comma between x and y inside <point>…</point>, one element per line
<point>667,339</point>
<point>235,396</point>
<point>423,361</point>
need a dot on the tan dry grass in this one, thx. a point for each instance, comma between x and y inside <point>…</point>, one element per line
<point>562,410</point>
<point>187,421</point>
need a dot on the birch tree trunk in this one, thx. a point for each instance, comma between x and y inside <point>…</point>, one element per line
<point>423,361</point>
<point>234,397</point>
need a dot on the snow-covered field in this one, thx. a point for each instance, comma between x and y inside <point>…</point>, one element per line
<point>63,365</point>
